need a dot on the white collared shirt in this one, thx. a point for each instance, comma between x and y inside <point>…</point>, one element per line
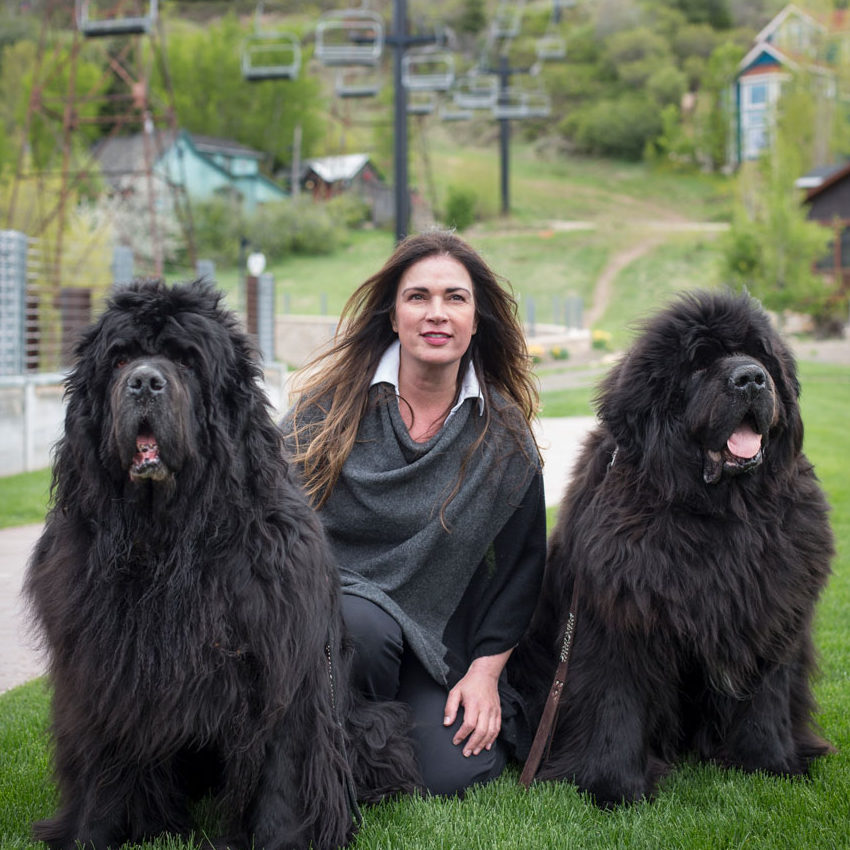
<point>387,373</point>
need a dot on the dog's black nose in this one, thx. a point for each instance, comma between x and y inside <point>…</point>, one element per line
<point>145,380</point>
<point>748,378</point>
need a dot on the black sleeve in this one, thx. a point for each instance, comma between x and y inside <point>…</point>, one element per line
<point>497,606</point>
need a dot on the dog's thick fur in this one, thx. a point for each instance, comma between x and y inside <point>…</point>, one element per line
<point>186,598</point>
<point>698,534</point>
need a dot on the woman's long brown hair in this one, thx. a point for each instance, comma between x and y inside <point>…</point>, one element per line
<point>338,380</point>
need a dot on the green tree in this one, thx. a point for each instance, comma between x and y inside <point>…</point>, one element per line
<point>771,248</point>
<point>618,127</point>
<point>714,113</point>
<point>636,54</point>
<point>714,12</point>
<point>472,18</point>
<point>212,98</point>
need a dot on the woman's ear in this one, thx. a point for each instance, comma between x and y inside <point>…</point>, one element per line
<point>393,324</point>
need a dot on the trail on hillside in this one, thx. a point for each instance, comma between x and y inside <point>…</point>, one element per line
<point>604,283</point>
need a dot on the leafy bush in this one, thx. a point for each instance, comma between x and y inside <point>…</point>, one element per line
<point>348,210</point>
<point>219,225</point>
<point>667,84</point>
<point>314,229</point>
<point>303,226</point>
<point>461,206</point>
<point>617,127</point>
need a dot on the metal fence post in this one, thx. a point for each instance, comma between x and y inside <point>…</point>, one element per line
<point>13,288</point>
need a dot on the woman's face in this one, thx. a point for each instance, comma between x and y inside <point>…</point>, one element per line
<point>434,314</point>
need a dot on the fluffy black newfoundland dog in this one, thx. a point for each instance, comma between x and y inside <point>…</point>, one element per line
<point>698,536</point>
<point>188,602</point>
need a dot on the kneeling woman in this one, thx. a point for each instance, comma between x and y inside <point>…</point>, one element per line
<point>413,437</point>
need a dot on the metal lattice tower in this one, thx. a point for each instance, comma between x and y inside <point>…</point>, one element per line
<point>68,112</point>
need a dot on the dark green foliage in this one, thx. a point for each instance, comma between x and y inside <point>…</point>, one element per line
<point>617,127</point>
<point>714,12</point>
<point>460,207</point>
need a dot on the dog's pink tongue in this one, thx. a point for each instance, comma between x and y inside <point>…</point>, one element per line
<point>744,442</point>
<point>146,448</point>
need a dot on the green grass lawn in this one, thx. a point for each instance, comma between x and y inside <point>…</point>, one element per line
<point>698,806</point>
<point>23,497</point>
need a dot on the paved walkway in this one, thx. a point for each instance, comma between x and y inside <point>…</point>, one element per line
<point>19,659</point>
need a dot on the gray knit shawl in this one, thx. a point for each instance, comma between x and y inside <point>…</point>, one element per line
<point>383,516</point>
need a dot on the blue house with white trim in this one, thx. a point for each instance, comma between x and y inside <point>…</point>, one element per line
<point>205,166</point>
<point>792,41</point>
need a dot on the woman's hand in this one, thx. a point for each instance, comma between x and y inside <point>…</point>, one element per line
<point>478,693</point>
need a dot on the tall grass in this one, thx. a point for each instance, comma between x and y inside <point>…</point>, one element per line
<point>699,806</point>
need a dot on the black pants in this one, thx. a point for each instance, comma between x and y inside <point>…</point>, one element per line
<point>384,670</point>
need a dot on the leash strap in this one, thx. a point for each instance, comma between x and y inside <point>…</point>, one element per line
<point>351,791</point>
<point>542,738</point>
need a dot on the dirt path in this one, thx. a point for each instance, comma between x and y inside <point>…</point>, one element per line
<point>604,283</point>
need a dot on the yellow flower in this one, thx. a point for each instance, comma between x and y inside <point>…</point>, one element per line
<point>536,353</point>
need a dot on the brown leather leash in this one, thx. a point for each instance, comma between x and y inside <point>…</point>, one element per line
<point>542,738</point>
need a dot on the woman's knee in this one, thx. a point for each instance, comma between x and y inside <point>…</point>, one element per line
<point>446,772</point>
<point>378,647</point>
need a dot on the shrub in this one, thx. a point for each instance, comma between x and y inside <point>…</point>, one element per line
<point>460,208</point>
<point>301,226</point>
<point>536,352</point>
<point>348,210</point>
<point>218,225</point>
<point>617,127</point>
<point>600,340</point>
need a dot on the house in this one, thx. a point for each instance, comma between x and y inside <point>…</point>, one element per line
<point>795,40</point>
<point>828,200</point>
<point>329,176</point>
<point>204,166</point>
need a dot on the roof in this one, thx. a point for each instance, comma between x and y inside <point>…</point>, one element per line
<point>126,154</point>
<point>821,178</point>
<point>332,169</point>
<point>776,22</point>
<point>764,58</point>
<point>762,45</point>
<point>227,147</point>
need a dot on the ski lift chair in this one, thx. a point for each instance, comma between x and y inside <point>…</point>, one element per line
<point>507,20</point>
<point>421,102</point>
<point>538,104</point>
<point>356,83</point>
<point>511,104</point>
<point>92,25</point>
<point>551,48</point>
<point>426,70</point>
<point>350,37</point>
<point>271,56</point>
<point>449,113</point>
<point>476,91</point>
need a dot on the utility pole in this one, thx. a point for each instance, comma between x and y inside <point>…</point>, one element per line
<point>402,195</point>
<point>400,41</point>
<point>505,135</point>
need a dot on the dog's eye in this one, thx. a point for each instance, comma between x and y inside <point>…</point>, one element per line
<point>120,362</point>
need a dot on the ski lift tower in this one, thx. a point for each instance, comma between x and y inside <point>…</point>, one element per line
<point>65,115</point>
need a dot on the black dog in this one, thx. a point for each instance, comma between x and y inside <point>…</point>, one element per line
<point>188,601</point>
<point>698,535</point>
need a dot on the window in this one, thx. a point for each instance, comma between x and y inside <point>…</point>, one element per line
<point>757,94</point>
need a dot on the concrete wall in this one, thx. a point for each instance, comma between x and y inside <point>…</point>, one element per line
<point>31,415</point>
<point>299,338</point>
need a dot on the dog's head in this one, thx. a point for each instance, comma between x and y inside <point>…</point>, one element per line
<point>708,392</point>
<point>162,385</point>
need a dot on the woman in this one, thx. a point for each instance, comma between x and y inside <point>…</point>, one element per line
<point>413,436</point>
